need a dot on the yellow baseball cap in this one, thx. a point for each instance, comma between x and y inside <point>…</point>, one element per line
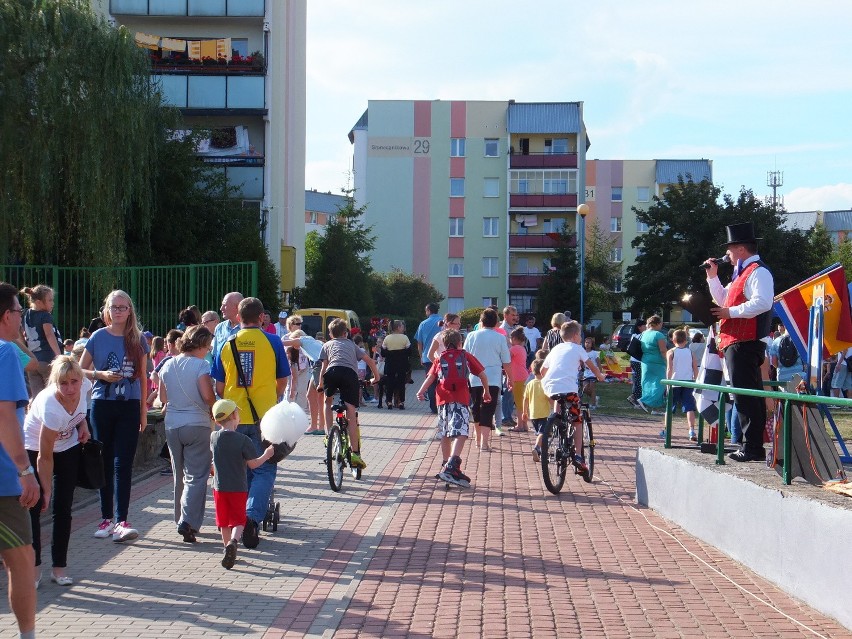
<point>222,409</point>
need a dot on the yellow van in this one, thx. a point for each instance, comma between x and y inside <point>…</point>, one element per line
<point>316,320</point>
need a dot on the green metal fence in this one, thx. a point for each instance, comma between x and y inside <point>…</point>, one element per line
<point>158,292</point>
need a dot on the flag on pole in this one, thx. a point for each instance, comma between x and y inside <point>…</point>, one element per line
<point>710,372</point>
<point>793,307</point>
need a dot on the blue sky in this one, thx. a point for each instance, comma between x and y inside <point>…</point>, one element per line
<point>752,85</point>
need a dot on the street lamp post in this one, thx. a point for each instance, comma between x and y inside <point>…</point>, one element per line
<point>582,211</point>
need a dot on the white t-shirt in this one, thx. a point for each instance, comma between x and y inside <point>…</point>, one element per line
<point>682,364</point>
<point>563,365</point>
<point>492,351</point>
<point>595,356</point>
<point>47,412</point>
<point>533,335</point>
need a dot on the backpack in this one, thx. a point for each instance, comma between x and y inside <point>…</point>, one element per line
<point>453,370</point>
<point>787,353</point>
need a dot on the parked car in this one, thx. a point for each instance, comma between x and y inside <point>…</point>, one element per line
<point>316,320</point>
<point>621,336</point>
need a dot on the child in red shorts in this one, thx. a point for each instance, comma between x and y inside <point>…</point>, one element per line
<point>232,453</point>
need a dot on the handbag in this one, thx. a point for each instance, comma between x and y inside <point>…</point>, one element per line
<point>634,347</point>
<point>90,472</point>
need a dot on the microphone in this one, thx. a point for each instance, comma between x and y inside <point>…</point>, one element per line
<point>718,260</point>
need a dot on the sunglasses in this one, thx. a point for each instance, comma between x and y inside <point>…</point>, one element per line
<point>296,323</point>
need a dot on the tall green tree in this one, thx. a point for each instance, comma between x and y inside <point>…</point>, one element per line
<point>560,288</point>
<point>337,263</point>
<point>843,253</point>
<point>601,273</point>
<point>404,295</point>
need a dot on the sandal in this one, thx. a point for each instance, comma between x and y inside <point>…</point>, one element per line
<point>516,429</point>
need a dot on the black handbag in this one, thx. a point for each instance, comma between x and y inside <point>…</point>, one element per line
<point>634,347</point>
<point>90,472</point>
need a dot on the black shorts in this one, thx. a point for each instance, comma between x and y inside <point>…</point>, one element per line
<point>482,413</point>
<point>343,379</point>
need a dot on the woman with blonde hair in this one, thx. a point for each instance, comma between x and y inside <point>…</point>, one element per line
<point>186,392</point>
<point>553,337</point>
<point>118,356</point>
<point>42,337</point>
<point>55,424</point>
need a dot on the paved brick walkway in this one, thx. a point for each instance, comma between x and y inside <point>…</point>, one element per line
<point>398,555</point>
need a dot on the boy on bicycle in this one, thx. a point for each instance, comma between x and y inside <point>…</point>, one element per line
<point>339,357</point>
<point>559,377</point>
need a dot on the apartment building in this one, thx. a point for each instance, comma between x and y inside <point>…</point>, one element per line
<point>320,208</point>
<point>237,68</point>
<point>466,192</point>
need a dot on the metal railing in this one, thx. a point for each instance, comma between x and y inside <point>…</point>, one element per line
<point>159,293</point>
<point>786,398</point>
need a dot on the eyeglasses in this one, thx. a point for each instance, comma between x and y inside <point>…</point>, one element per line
<point>297,323</point>
<point>119,309</point>
<point>16,310</point>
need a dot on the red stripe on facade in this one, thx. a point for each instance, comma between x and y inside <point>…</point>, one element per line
<point>455,287</point>
<point>420,238</point>
<point>456,247</point>
<point>456,167</point>
<point>457,207</point>
<point>458,117</point>
<point>422,119</point>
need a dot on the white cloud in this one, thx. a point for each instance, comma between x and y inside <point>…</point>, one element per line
<point>832,197</point>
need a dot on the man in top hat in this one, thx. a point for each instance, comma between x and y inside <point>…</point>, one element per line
<point>744,314</point>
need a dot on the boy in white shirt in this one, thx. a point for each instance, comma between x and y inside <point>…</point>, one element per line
<point>680,364</point>
<point>589,378</point>
<point>559,377</point>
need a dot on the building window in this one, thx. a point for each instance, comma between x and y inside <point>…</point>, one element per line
<point>615,224</point>
<point>553,226</point>
<point>616,194</point>
<point>456,187</point>
<point>490,266</point>
<point>641,227</point>
<point>555,187</point>
<point>455,305</point>
<point>456,227</point>
<point>643,194</point>
<point>556,146</point>
<point>491,187</point>
<point>489,301</point>
<point>239,46</point>
<point>615,255</point>
<point>524,302</point>
<point>456,268</point>
<point>550,182</point>
<point>617,286</point>
<point>313,217</point>
<point>457,147</point>
<point>492,147</point>
<point>490,227</point>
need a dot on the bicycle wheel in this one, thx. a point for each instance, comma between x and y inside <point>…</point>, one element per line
<point>589,443</point>
<point>553,461</point>
<point>334,458</point>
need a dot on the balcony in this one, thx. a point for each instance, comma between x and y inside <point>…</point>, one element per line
<point>180,64</point>
<point>543,160</point>
<point>213,94</point>
<point>543,200</point>
<point>538,241</point>
<point>525,280</point>
<point>247,180</point>
<point>191,8</point>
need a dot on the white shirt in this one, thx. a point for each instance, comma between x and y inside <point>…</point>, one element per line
<point>759,290</point>
<point>595,356</point>
<point>533,335</point>
<point>563,364</point>
<point>47,412</point>
<point>492,351</point>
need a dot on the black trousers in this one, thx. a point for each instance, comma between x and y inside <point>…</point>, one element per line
<point>744,360</point>
<point>64,482</point>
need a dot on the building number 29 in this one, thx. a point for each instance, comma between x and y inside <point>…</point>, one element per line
<point>421,147</point>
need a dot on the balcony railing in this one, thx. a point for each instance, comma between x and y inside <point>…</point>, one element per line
<point>543,160</point>
<point>209,8</point>
<point>525,280</point>
<point>543,200</point>
<point>215,68</point>
<point>235,94</point>
<point>248,180</point>
<point>544,241</point>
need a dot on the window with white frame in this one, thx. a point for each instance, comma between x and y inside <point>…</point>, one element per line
<point>491,187</point>
<point>615,254</point>
<point>615,224</point>
<point>616,194</point>
<point>643,194</point>
<point>556,146</point>
<point>455,305</point>
<point>489,301</point>
<point>457,147</point>
<point>456,227</point>
<point>555,186</point>
<point>490,227</point>
<point>455,268</point>
<point>456,187</point>
<point>313,217</point>
<point>492,147</point>
<point>554,225</point>
<point>641,227</point>
<point>522,265</point>
<point>490,266</point>
<point>541,181</point>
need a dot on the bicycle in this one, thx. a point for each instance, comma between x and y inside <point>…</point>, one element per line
<point>558,447</point>
<point>338,450</point>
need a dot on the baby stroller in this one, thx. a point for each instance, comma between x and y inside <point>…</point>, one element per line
<point>273,508</point>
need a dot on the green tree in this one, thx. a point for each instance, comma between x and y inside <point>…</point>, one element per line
<point>560,289</point>
<point>337,263</point>
<point>843,253</point>
<point>404,296</point>
<point>601,274</point>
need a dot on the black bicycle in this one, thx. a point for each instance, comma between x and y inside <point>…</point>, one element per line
<point>558,448</point>
<point>338,450</point>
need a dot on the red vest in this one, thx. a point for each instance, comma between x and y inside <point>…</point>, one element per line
<point>738,329</point>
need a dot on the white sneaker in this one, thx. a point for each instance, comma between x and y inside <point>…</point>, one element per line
<point>123,532</point>
<point>499,432</point>
<point>105,529</point>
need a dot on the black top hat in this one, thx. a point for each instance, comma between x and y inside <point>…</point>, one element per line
<point>742,233</point>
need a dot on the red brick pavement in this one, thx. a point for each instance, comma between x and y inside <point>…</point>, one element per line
<point>508,559</point>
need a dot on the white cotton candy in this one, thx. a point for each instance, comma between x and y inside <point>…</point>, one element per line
<point>284,422</point>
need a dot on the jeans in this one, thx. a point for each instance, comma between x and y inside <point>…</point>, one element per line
<point>733,420</point>
<point>260,480</point>
<point>189,447</point>
<point>430,392</point>
<point>116,425</point>
<point>507,403</point>
<point>64,481</point>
